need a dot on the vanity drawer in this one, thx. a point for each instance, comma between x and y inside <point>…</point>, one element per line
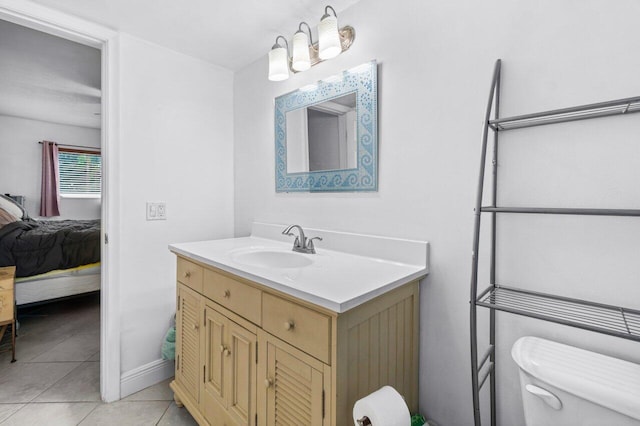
<point>304,328</point>
<point>236,296</point>
<point>190,274</point>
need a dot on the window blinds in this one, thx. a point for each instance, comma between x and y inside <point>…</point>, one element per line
<point>80,173</point>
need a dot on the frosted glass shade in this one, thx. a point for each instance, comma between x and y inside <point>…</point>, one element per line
<point>301,59</point>
<point>329,40</point>
<point>278,64</point>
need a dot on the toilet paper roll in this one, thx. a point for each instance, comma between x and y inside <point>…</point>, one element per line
<point>384,407</point>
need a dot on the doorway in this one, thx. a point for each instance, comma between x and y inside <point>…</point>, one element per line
<point>49,21</point>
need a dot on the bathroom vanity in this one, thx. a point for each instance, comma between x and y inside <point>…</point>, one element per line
<point>268,336</point>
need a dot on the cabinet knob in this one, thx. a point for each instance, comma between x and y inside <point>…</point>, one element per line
<point>227,294</point>
<point>195,327</point>
<point>187,274</point>
<point>268,383</point>
<point>224,350</point>
<point>289,325</point>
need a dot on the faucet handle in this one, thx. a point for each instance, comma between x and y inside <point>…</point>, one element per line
<point>310,243</point>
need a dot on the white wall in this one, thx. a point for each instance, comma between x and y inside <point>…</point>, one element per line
<point>21,162</point>
<point>176,146</point>
<point>436,60</point>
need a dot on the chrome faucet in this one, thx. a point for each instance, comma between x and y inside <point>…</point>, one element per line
<point>301,244</point>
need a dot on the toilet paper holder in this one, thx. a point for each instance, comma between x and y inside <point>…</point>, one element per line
<point>364,421</point>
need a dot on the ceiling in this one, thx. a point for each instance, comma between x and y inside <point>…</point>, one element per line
<point>230,33</point>
<point>48,78</point>
<point>51,79</point>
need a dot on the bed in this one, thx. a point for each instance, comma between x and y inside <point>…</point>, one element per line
<point>58,284</point>
<point>53,258</point>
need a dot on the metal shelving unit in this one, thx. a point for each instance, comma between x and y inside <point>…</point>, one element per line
<point>612,320</point>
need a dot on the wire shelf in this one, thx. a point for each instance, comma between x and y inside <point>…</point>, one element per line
<point>607,319</point>
<point>583,112</point>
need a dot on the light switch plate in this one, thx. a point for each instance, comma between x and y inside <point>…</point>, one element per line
<point>157,211</point>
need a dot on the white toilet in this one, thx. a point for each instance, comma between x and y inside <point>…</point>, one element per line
<point>566,386</point>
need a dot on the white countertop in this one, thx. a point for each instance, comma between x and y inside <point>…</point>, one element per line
<point>336,280</point>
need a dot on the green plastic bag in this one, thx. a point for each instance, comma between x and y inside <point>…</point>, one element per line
<point>169,344</point>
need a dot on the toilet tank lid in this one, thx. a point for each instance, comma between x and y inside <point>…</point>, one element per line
<point>601,379</point>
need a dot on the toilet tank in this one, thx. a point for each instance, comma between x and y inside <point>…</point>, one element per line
<point>567,386</point>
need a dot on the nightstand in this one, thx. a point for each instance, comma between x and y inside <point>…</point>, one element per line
<point>8,305</point>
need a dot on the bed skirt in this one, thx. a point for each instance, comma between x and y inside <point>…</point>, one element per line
<point>57,284</point>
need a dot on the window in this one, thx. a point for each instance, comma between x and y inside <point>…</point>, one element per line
<point>80,173</point>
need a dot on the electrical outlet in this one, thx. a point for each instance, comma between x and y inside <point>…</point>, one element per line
<point>162,211</point>
<point>157,211</point>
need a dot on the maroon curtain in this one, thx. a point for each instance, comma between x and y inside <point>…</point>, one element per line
<point>50,194</point>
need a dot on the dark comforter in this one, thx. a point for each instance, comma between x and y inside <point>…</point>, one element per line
<point>36,247</point>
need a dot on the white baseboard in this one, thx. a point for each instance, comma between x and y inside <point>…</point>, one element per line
<point>146,375</point>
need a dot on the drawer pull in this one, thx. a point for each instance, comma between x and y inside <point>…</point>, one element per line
<point>226,352</point>
<point>268,383</point>
<point>226,294</point>
<point>222,348</point>
<point>187,274</point>
<point>289,325</point>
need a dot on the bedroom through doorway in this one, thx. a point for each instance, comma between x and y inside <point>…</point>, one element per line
<point>51,216</point>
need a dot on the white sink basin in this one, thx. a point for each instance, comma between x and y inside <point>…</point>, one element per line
<point>269,258</point>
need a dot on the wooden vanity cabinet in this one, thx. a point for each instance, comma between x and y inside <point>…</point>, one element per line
<point>249,355</point>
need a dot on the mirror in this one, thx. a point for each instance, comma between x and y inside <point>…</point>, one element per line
<point>326,134</point>
<point>323,136</point>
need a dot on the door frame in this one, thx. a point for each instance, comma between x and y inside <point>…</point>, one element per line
<point>51,21</point>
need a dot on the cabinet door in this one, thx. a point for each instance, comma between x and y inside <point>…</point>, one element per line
<point>241,374</point>
<point>188,341</point>
<point>294,386</point>
<point>214,347</point>
<point>229,386</point>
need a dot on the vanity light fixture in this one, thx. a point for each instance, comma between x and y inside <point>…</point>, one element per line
<point>305,53</point>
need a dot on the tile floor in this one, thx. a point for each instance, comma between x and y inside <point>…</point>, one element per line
<point>56,379</point>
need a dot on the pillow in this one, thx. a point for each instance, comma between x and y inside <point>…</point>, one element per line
<point>12,207</point>
<point>6,218</point>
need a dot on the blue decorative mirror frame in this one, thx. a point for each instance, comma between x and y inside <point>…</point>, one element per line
<point>361,176</point>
